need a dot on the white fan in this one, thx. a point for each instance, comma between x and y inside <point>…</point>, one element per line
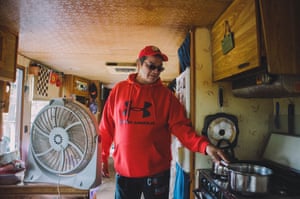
<point>64,146</point>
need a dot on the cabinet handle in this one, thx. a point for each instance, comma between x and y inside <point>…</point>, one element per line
<point>243,65</point>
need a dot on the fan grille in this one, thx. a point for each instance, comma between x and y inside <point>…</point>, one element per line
<point>63,137</point>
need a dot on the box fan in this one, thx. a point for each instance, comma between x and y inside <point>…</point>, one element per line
<point>64,146</point>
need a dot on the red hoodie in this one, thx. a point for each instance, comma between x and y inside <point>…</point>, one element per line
<point>139,120</point>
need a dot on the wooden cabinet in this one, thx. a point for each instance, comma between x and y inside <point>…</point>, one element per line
<point>4,96</point>
<point>281,28</point>
<point>241,16</point>
<point>74,85</point>
<point>8,55</point>
<point>262,30</point>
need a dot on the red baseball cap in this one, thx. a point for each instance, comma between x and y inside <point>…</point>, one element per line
<point>152,50</point>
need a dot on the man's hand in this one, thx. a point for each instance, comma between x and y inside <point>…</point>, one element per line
<point>105,172</point>
<point>216,154</point>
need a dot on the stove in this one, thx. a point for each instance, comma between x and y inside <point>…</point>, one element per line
<point>284,182</point>
<point>211,186</point>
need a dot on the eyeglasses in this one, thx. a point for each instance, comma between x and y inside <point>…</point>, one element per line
<point>153,67</point>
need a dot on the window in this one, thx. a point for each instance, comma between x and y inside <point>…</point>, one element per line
<point>13,118</point>
<point>36,107</point>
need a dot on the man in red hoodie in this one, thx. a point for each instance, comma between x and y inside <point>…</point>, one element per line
<point>139,117</point>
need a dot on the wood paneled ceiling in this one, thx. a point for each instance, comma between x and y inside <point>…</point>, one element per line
<point>80,36</point>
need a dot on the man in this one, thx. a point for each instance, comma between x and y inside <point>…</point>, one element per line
<point>139,117</point>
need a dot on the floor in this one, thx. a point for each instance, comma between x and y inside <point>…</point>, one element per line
<point>107,188</point>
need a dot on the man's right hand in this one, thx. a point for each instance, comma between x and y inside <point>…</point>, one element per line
<point>216,154</point>
<point>105,172</point>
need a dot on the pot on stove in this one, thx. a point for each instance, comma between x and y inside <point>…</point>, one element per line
<point>248,179</point>
<point>220,170</point>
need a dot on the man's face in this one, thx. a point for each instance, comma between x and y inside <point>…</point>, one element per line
<point>150,70</point>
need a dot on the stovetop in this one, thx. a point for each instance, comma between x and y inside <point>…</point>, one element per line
<point>219,189</point>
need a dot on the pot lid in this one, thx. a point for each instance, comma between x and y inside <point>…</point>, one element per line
<point>221,130</point>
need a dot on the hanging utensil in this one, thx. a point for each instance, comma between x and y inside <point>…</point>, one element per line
<point>221,98</point>
<point>277,119</point>
<point>291,118</point>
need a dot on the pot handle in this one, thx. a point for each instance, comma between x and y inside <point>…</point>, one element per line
<point>222,162</point>
<point>197,193</point>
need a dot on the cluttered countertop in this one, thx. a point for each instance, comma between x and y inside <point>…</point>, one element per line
<point>12,185</point>
<point>11,169</point>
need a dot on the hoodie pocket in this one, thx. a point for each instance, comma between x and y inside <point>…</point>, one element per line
<point>159,155</point>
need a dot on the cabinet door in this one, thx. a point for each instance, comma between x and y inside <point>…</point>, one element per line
<point>8,55</point>
<point>75,85</point>
<point>81,86</point>
<point>281,24</point>
<point>242,18</point>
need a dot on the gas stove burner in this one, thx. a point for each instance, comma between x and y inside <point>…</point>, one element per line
<point>283,191</point>
<point>285,185</point>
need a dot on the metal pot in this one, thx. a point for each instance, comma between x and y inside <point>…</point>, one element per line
<point>220,170</point>
<point>249,179</point>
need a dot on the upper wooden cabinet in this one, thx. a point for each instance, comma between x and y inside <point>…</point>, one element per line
<point>8,55</point>
<point>241,17</point>
<point>262,30</point>
<point>74,85</point>
<point>281,28</point>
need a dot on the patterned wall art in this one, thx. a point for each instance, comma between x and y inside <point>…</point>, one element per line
<point>47,84</point>
<point>43,82</point>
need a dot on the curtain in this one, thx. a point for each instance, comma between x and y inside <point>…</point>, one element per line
<point>184,53</point>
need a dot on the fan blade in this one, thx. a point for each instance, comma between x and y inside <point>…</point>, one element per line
<point>45,152</point>
<point>76,148</point>
<point>62,160</point>
<point>73,124</point>
<point>44,119</point>
<point>40,130</point>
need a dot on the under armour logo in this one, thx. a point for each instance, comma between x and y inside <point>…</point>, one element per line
<point>144,109</point>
